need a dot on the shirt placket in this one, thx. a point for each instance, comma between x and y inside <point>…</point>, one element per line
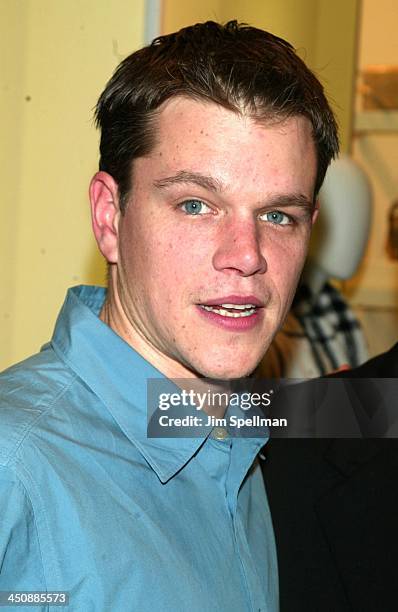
<point>243,453</point>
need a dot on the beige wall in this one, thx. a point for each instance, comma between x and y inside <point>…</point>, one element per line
<point>323,32</point>
<point>56,56</point>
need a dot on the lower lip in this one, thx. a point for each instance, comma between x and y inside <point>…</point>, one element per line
<point>238,324</point>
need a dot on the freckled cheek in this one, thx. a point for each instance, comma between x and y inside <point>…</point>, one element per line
<point>171,264</point>
<point>276,248</point>
<point>284,262</point>
<point>183,248</point>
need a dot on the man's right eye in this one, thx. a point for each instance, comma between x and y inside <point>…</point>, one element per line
<point>195,207</point>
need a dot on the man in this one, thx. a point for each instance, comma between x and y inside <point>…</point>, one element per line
<point>334,504</point>
<point>214,143</point>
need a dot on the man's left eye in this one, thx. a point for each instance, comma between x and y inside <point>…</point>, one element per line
<point>195,207</point>
<point>276,217</point>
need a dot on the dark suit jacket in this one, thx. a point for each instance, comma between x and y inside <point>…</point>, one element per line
<point>334,505</point>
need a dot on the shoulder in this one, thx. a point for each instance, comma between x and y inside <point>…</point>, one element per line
<point>28,390</point>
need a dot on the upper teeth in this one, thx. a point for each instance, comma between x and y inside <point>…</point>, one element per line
<point>238,306</point>
<point>247,310</point>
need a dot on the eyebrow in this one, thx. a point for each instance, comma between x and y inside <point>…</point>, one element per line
<point>184,176</point>
<point>283,201</point>
<point>212,184</point>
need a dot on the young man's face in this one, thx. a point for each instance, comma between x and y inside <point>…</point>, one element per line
<point>213,239</point>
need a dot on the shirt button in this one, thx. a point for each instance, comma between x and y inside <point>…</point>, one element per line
<point>219,433</point>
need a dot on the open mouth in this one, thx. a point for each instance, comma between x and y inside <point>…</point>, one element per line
<point>234,311</point>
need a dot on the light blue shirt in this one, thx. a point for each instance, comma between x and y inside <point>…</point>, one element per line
<point>90,505</point>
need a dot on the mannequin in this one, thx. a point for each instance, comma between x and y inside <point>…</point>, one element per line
<point>341,233</point>
<point>321,333</point>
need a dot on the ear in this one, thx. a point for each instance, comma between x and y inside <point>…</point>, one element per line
<point>105,213</point>
<point>315,212</point>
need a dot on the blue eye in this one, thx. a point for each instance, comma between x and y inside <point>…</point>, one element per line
<point>194,207</point>
<point>277,218</point>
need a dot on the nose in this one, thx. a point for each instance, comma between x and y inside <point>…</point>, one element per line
<point>239,249</point>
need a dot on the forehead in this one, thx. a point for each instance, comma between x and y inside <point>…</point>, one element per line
<point>235,149</point>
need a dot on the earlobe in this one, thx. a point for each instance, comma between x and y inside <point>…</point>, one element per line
<point>315,212</point>
<point>105,214</point>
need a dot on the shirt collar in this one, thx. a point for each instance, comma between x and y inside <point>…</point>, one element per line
<point>118,375</point>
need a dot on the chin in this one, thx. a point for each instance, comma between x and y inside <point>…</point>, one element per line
<point>227,371</point>
<point>224,362</point>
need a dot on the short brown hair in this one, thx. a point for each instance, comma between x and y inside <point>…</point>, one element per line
<point>244,69</point>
